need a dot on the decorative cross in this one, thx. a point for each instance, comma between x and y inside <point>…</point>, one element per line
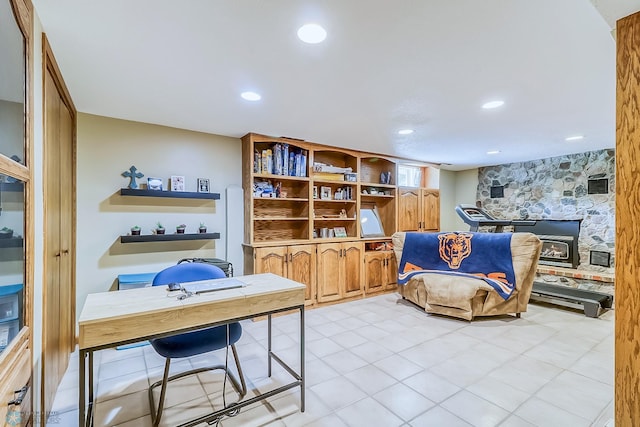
<point>132,173</point>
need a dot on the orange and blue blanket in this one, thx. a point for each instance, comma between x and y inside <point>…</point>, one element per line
<point>485,256</point>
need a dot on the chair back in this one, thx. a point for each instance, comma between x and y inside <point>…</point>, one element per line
<point>188,272</point>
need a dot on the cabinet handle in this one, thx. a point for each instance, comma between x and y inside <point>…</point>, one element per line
<point>290,257</point>
<point>18,396</point>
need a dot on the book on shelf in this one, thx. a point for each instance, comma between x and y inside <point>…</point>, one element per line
<point>280,159</point>
<point>329,176</point>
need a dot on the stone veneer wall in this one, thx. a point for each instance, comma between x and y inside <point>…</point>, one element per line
<point>556,188</point>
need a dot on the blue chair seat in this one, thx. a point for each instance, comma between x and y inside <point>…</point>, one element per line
<point>197,342</point>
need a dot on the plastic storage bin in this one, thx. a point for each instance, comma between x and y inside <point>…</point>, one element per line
<point>138,280</point>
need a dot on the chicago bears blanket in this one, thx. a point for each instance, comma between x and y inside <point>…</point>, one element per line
<point>486,256</point>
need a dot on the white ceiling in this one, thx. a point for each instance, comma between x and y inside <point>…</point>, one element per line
<point>427,65</point>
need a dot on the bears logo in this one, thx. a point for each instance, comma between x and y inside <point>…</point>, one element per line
<point>454,248</point>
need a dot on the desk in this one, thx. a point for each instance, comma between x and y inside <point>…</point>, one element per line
<point>109,319</point>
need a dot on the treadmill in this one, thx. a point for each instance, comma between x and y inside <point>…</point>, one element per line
<point>477,217</point>
<point>593,303</point>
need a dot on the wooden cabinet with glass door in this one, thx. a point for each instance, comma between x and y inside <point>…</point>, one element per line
<point>17,219</point>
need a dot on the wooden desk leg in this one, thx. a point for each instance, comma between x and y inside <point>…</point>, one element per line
<point>269,344</point>
<point>85,409</point>
<point>302,349</point>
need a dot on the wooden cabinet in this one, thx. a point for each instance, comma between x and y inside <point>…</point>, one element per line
<point>339,270</point>
<point>418,209</point>
<point>297,262</point>
<point>380,271</point>
<point>304,220</point>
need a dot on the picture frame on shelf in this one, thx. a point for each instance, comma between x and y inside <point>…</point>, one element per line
<point>177,183</point>
<point>339,232</point>
<point>154,184</point>
<point>325,193</point>
<point>203,185</point>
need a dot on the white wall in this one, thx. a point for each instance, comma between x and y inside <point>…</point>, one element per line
<point>107,147</point>
<point>456,188</point>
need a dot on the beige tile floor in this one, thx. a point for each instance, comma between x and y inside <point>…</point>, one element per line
<point>381,361</point>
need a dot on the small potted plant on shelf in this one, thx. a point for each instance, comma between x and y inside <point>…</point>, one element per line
<point>159,228</point>
<point>180,228</point>
<point>135,230</point>
<point>6,233</point>
<point>203,228</point>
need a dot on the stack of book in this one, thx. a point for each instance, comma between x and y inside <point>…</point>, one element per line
<point>281,160</point>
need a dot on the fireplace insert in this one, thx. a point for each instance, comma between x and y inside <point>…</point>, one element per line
<point>559,241</point>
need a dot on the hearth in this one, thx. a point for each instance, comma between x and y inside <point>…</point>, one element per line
<point>559,241</point>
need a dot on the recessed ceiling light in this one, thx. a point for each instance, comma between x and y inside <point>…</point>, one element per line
<point>493,152</point>
<point>405,131</point>
<point>251,96</point>
<point>312,33</point>
<point>492,104</point>
<point>574,138</point>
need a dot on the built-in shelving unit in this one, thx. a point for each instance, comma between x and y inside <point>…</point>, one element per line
<point>308,227</point>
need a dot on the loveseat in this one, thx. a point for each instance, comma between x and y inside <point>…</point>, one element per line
<point>449,292</point>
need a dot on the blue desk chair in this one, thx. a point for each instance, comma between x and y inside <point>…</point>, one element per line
<point>196,342</point>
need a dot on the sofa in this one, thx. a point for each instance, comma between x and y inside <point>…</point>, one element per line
<point>466,296</point>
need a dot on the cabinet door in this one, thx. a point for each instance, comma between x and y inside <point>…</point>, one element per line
<point>430,216</point>
<point>271,260</point>
<point>352,254</point>
<point>302,268</point>
<point>329,271</point>
<point>409,209</point>
<point>375,272</point>
<point>391,272</point>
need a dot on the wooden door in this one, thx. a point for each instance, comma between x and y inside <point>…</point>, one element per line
<point>329,270</point>
<point>430,213</point>
<point>408,209</point>
<point>302,268</point>
<point>271,260</point>
<point>58,334</point>
<point>374,271</point>
<point>352,255</point>
<point>52,263</point>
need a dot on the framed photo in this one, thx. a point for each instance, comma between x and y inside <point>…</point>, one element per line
<point>325,193</point>
<point>154,184</point>
<point>203,185</point>
<point>339,232</point>
<point>177,183</point>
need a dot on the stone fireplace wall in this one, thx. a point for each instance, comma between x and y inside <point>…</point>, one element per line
<point>557,188</point>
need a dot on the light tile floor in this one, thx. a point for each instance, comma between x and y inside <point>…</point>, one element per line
<point>382,361</point>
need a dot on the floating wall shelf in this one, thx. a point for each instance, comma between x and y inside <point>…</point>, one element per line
<point>168,237</point>
<point>13,242</point>
<point>174,194</point>
<point>11,186</point>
